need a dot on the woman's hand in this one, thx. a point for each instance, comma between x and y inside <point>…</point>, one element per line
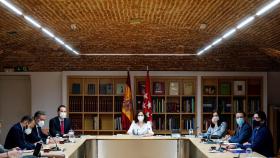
<point>14,153</point>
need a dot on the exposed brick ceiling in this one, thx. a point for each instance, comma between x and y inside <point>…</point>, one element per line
<point>140,26</point>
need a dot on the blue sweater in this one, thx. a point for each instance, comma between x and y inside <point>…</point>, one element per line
<point>16,138</point>
<point>242,134</point>
<point>261,141</point>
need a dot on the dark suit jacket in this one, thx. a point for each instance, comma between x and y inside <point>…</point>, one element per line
<point>16,138</point>
<point>55,126</point>
<point>261,141</point>
<point>35,136</point>
<point>242,134</point>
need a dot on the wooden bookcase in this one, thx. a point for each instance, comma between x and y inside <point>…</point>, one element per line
<point>229,95</point>
<point>94,104</point>
<point>173,102</point>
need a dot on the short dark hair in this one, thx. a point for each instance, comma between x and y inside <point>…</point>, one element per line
<point>242,112</point>
<point>26,118</point>
<point>61,106</point>
<point>145,117</point>
<point>261,115</point>
<point>38,114</point>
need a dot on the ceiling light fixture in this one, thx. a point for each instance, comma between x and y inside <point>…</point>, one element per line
<point>12,7</point>
<point>245,22</point>
<point>241,25</point>
<point>37,25</point>
<point>267,7</point>
<point>118,54</point>
<point>229,33</point>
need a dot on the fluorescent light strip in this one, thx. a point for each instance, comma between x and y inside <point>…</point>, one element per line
<point>36,24</point>
<point>59,40</point>
<point>229,33</point>
<point>241,25</point>
<point>48,32</point>
<point>267,7</point>
<point>245,22</point>
<point>33,22</point>
<point>12,7</point>
<point>217,41</point>
<point>99,54</point>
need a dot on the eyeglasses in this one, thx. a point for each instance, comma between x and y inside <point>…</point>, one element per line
<point>140,115</point>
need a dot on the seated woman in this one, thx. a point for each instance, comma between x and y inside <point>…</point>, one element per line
<point>140,126</point>
<point>217,128</point>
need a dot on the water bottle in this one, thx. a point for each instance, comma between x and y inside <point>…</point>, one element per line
<point>190,131</point>
<point>249,152</point>
<point>71,136</point>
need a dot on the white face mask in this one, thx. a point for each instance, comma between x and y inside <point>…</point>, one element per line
<point>28,131</point>
<point>41,123</point>
<point>215,119</point>
<point>140,118</point>
<point>62,115</point>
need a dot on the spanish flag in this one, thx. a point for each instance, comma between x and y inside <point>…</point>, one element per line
<point>127,111</point>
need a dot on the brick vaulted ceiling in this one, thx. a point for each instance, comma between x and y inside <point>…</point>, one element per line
<point>140,26</point>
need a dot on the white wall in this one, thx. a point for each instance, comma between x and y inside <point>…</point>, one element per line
<point>273,88</point>
<point>46,92</point>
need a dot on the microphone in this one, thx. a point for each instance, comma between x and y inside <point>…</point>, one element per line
<point>56,148</point>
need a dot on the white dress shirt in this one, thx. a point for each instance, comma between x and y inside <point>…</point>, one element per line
<point>135,129</point>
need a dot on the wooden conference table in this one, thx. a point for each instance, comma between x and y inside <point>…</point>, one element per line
<point>124,146</point>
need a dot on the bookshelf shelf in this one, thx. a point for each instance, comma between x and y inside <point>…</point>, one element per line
<point>229,95</point>
<point>95,103</point>
<point>174,104</point>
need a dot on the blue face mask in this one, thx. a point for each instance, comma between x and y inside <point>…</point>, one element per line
<point>240,121</point>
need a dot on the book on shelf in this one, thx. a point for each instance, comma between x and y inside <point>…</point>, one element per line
<point>224,106</point>
<point>209,90</point>
<point>106,88</point>
<point>91,123</point>
<point>158,123</point>
<point>106,123</point>
<point>120,88</point>
<point>173,123</point>
<point>209,104</point>
<point>188,105</point>
<point>173,88</point>
<point>106,104</point>
<point>139,103</point>
<point>188,88</point>
<point>76,121</point>
<point>254,87</point>
<point>141,87</point>
<point>90,104</point>
<point>75,103</point>
<point>253,105</point>
<point>158,105</point>
<point>76,88</point>
<point>158,88</point>
<point>239,104</point>
<point>118,123</point>
<point>188,123</point>
<point>225,88</point>
<point>173,107</point>
<point>118,104</point>
<point>239,87</point>
<point>91,89</point>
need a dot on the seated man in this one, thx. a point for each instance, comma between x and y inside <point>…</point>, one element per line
<point>60,125</point>
<point>16,135</point>
<point>261,140</point>
<point>37,135</point>
<point>243,131</point>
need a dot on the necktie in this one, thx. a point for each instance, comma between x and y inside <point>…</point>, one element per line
<point>38,132</point>
<point>62,127</point>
